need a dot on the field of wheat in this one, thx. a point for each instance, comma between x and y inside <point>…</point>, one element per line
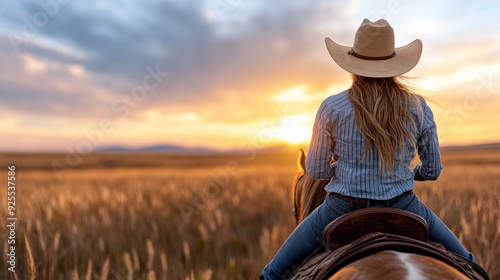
<point>199,217</point>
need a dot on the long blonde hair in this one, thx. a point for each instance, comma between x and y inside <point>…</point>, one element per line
<point>382,112</point>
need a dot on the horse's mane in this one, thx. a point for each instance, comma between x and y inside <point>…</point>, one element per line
<point>307,192</point>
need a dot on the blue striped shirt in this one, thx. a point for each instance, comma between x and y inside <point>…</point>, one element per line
<point>336,153</point>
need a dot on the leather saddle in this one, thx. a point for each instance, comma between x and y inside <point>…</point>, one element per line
<point>356,224</point>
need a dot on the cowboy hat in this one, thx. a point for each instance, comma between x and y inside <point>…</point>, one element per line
<point>373,53</point>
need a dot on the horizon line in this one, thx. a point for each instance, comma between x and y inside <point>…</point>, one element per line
<point>179,149</point>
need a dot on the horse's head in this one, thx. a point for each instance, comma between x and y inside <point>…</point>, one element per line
<point>307,192</point>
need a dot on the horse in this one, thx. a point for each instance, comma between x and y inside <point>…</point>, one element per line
<point>402,257</point>
<point>307,193</point>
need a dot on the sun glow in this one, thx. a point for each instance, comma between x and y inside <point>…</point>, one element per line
<point>296,130</point>
<point>295,94</point>
<point>296,135</point>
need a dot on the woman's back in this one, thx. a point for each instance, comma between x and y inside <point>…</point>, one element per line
<point>355,171</point>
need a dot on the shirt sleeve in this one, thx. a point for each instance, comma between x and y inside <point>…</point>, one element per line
<point>430,165</point>
<point>321,146</point>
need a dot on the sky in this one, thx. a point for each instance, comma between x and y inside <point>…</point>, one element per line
<point>225,74</point>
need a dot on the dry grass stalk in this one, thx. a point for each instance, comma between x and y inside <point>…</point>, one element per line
<point>135,257</point>
<point>74,274</point>
<point>164,262</point>
<point>57,239</point>
<point>187,251</point>
<point>101,244</point>
<point>31,262</point>
<point>88,274</point>
<point>105,269</point>
<point>207,275</point>
<point>129,266</point>
<point>42,244</point>
<point>190,276</point>
<point>151,275</point>
<point>151,254</point>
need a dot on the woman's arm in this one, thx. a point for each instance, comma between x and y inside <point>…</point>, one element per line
<point>321,146</point>
<point>430,166</point>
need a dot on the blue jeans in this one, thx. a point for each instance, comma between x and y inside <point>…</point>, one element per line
<point>306,240</point>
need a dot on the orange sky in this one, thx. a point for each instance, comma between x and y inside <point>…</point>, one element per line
<point>253,74</point>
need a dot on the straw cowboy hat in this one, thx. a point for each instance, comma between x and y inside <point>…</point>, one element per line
<point>373,53</point>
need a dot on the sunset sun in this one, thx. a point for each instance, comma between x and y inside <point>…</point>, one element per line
<point>296,132</point>
<point>296,135</point>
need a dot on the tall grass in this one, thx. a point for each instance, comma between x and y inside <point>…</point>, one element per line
<point>201,222</point>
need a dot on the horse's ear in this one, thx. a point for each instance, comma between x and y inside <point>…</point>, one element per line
<point>301,160</point>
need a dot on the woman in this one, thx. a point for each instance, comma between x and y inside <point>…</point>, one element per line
<point>364,140</point>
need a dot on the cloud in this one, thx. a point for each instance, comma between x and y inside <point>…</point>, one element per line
<point>274,46</point>
<point>222,71</point>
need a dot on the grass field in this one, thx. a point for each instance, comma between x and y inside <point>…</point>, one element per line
<point>133,216</point>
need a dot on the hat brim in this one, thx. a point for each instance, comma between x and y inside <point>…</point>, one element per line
<point>405,59</point>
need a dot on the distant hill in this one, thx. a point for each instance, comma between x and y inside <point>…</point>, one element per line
<point>157,149</point>
<point>174,149</point>
<point>488,146</point>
